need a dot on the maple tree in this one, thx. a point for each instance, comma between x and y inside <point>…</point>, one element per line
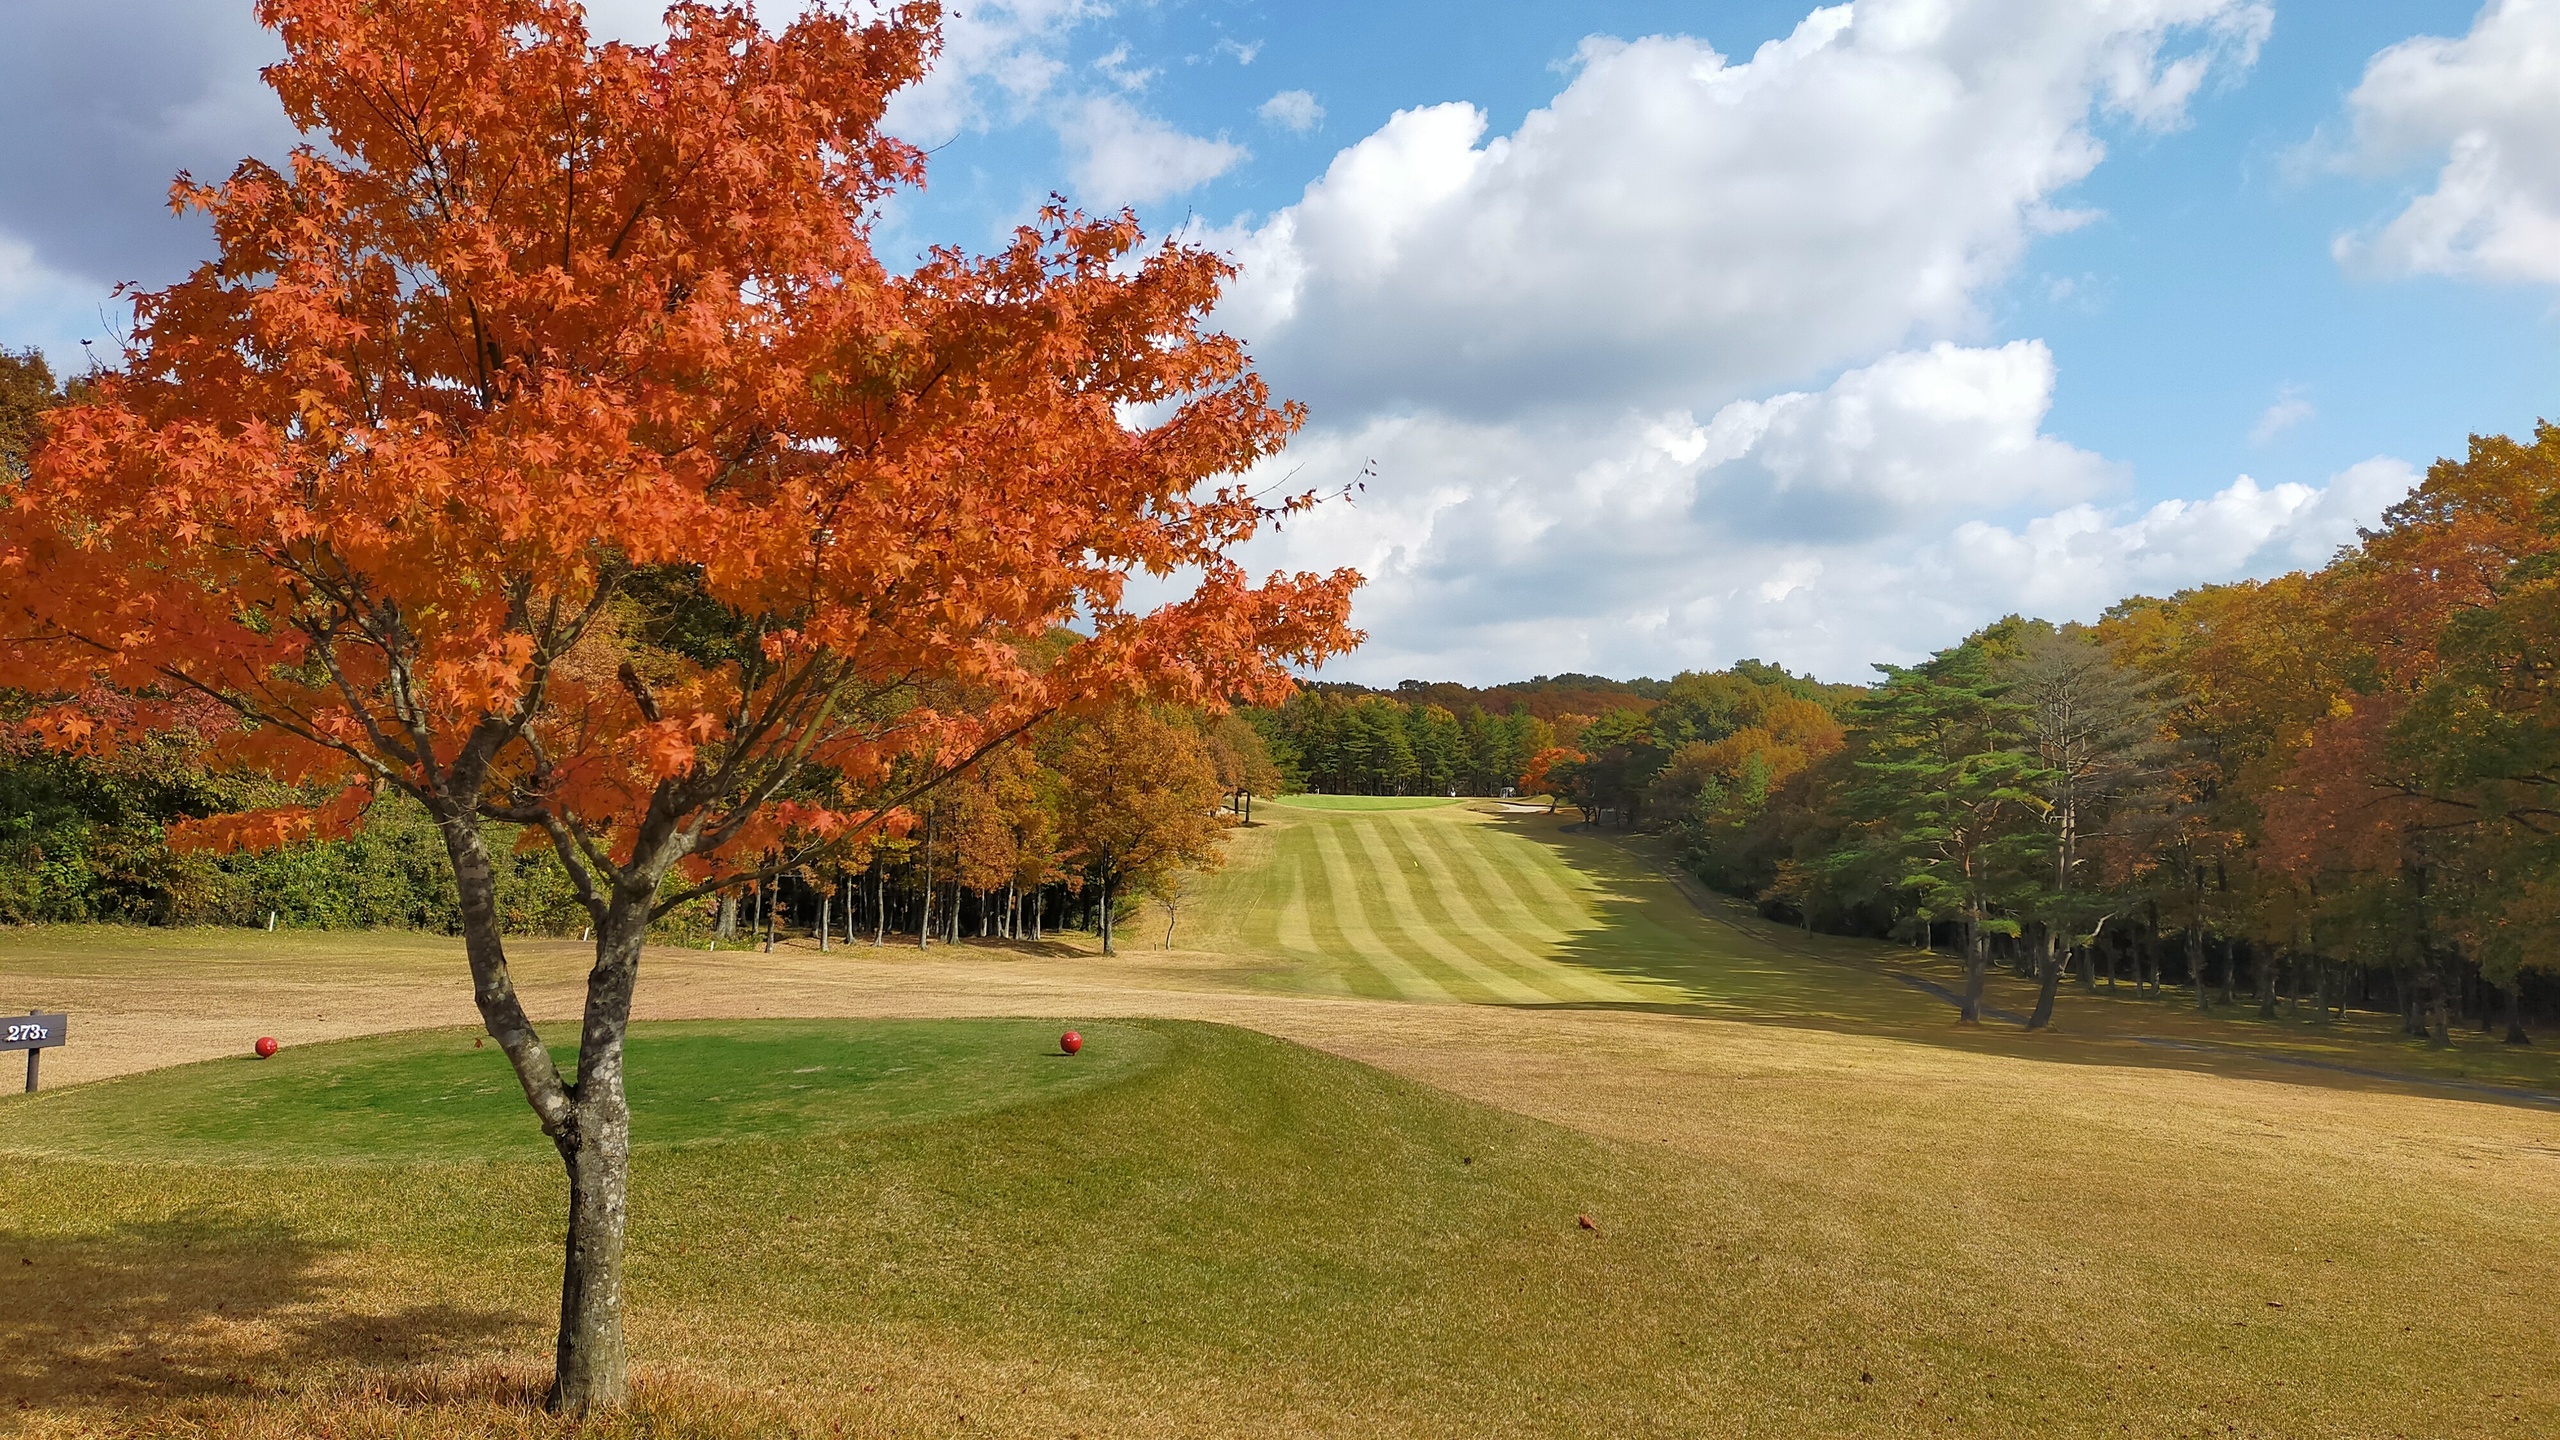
<point>1138,802</point>
<point>547,444</point>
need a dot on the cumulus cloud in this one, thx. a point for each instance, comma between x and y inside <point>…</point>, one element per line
<point>2483,111</point>
<point>1679,227</point>
<point>1293,110</point>
<point>1000,60</point>
<point>1677,370</point>
<point>1648,544</point>
<point>1120,155</point>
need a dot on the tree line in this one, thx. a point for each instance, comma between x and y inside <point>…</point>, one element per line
<point>2336,787</point>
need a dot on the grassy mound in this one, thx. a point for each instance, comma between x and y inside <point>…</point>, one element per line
<point>437,1095</point>
<point>1199,1225</point>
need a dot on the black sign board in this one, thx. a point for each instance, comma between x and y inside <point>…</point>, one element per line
<point>33,1032</point>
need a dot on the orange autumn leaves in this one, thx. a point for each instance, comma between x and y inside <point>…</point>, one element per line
<point>2380,735</point>
<point>547,435</point>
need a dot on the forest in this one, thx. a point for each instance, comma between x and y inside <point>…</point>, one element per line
<point>2327,788</point>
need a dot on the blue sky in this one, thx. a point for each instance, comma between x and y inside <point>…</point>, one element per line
<point>1933,310</point>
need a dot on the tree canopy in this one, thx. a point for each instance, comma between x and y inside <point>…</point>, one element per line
<point>547,444</point>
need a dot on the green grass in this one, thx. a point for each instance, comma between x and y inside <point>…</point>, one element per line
<point>1238,1236</point>
<point>1363,802</point>
<point>1219,1224</point>
<point>1474,903</point>
<point>1487,905</point>
<point>431,1095</point>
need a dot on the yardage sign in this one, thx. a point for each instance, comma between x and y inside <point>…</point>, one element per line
<point>33,1032</point>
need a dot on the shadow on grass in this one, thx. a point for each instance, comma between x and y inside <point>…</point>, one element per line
<point>149,1314</point>
<point>1657,929</point>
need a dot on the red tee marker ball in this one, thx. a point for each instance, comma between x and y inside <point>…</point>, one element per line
<point>266,1046</point>
<point>1071,1042</point>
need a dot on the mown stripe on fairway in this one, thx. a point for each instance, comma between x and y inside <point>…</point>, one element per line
<point>1441,948</point>
<point>1350,910</point>
<point>1336,966</point>
<point>1272,894</point>
<point>1540,920</point>
<point>1443,896</point>
<point>1478,908</point>
<point>1539,869</point>
<point>1291,929</point>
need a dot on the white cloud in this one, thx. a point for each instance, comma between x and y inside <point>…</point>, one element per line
<point>2073,563</point>
<point>1876,519</point>
<point>1677,371</point>
<point>1122,156</point>
<point>1292,110</point>
<point>1116,68</point>
<point>1676,227</point>
<point>2289,410</point>
<point>999,60</point>
<point>2484,111</point>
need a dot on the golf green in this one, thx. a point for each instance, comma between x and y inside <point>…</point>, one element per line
<point>1363,802</point>
<point>430,1096</point>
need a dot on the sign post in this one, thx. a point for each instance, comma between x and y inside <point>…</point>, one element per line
<point>34,1032</point>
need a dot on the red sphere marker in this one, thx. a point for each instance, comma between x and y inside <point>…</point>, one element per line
<point>266,1046</point>
<point>1071,1042</point>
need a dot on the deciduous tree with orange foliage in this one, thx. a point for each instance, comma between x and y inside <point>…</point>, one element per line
<point>547,443</point>
<point>1138,801</point>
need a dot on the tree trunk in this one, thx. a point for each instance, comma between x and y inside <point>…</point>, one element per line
<point>589,1121</point>
<point>2195,965</point>
<point>1168,925</point>
<point>2049,982</point>
<point>1106,917</point>
<point>924,921</point>
<point>595,1148</point>
<point>2514,991</point>
<point>726,927</point>
<point>1977,965</point>
<point>826,920</point>
<point>2439,1030</point>
<point>589,1364</point>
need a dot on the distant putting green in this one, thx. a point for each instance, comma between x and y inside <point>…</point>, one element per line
<point>1363,802</point>
<point>432,1096</point>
